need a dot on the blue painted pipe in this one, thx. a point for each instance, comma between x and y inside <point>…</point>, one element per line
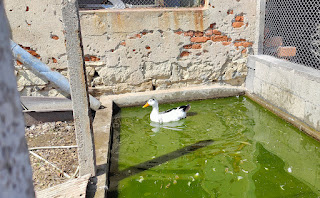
<point>43,70</point>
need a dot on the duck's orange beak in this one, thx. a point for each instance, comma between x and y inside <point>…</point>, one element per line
<point>146,105</point>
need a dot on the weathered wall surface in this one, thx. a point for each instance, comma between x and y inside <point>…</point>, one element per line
<point>293,88</point>
<point>138,50</point>
<point>37,26</point>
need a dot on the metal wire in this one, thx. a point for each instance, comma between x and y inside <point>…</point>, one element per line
<point>124,4</point>
<point>292,31</point>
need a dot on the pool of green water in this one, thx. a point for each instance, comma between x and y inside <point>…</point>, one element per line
<point>228,147</point>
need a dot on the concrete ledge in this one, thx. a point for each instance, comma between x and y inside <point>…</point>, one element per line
<point>175,95</point>
<point>272,61</point>
<point>287,117</point>
<point>291,87</point>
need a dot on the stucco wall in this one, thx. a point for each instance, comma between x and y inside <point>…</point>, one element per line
<point>138,50</point>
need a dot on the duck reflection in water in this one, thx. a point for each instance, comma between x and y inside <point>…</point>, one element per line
<point>175,126</point>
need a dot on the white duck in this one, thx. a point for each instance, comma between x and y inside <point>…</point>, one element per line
<point>166,116</point>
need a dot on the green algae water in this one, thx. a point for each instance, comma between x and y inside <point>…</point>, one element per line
<point>228,147</point>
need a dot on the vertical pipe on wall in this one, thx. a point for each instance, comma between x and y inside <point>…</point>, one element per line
<point>260,23</point>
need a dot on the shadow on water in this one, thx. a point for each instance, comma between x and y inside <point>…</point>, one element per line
<point>272,174</point>
<point>115,176</point>
<point>192,113</point>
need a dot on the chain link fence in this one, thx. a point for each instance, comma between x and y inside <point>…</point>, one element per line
<point>125,4</point>
<point>292,31</point>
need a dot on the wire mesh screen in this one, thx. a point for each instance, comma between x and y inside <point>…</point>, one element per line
<point>292,31</point>
<point>124,4</point>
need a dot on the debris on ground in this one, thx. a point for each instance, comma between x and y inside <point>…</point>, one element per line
<point>51,134</point>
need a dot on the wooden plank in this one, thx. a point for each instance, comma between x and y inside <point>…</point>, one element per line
<point>70,189</point>
<point>78,87</point>
<point>31,118</point>
<point>36,103</point>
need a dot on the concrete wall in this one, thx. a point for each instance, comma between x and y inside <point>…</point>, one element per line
<point>291,87</point>
<point>138,50</point>
<point>15,169</point>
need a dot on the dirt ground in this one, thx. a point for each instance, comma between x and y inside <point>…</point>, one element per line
<point>52,134</point>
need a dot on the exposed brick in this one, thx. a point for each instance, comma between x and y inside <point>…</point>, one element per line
<point>123,43</point>
<point>199,39</point>
<point>247,44</point>
<point>237,44</point>
<point>240,40</point>
<point>216,32</point>
<point>187,46</point>
<point>244,51</point>
<point>184,53</point>
<point>54,60</point>
<point>25,48</point>
<point>148,47</point>
<point>244,44</point>
<point>286,51</point>
<point>230,12</point>
<point>188,33</point>
<point>239,18</point>
<point>237,24</point>
<point>212,25</point>
<point>91,58</point>
<point>198,34</point>
<point>135,36</point>
<point>196,46</point>
<point>19,63</point>
<point>179,32</point>
<point>33,53</point>
<point>219,38</point>
<point>94,58</point>
<point>226,43</point>
<point>55,37</point>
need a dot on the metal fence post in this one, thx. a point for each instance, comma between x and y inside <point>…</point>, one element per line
<point>259,37</point>
<point>78,87</point>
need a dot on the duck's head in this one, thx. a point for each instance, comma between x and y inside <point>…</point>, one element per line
<point>151,102</point>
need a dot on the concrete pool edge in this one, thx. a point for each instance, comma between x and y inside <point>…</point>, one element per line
<point>103,119</point>
<point>285,116</point>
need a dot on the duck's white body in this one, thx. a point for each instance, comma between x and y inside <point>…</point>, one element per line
<point>166,116</point>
